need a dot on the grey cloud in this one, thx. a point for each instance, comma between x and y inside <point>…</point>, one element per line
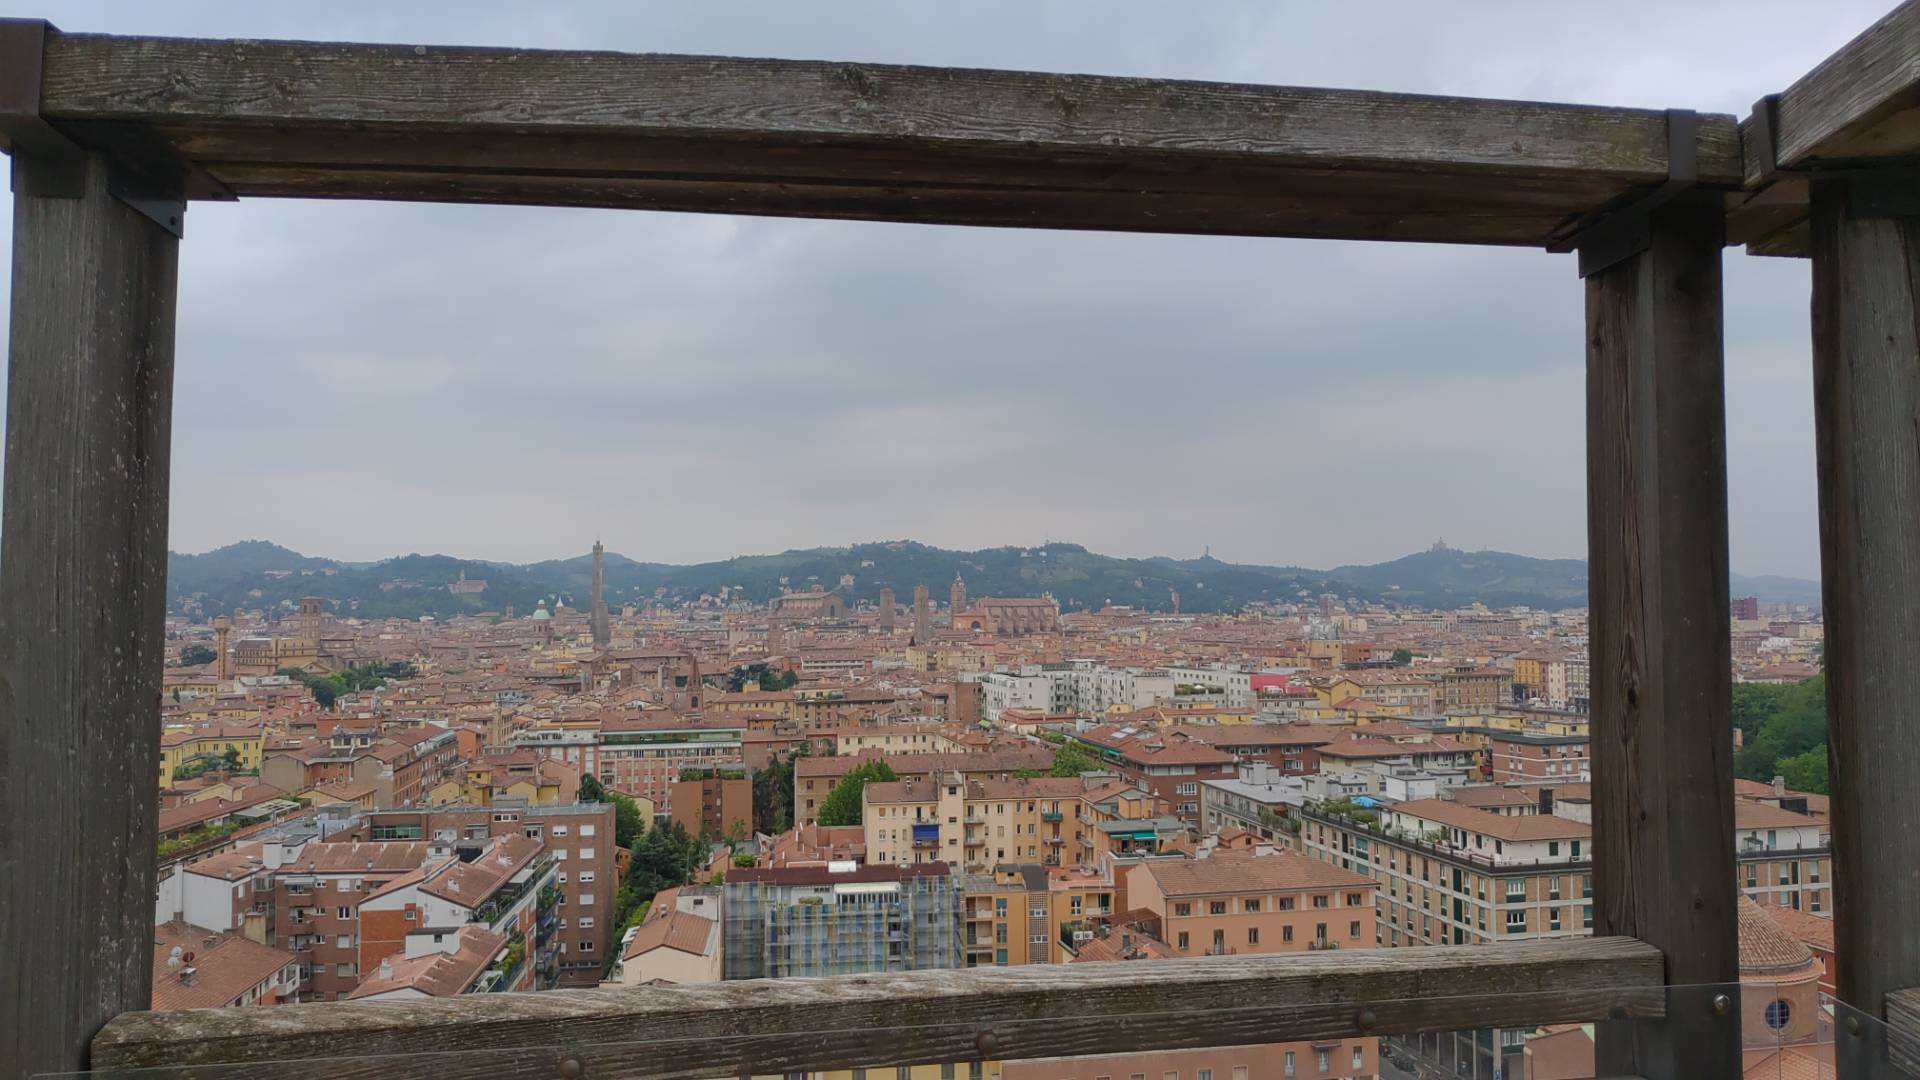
<point>358,380</point>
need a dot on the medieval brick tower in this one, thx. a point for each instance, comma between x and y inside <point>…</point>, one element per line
<point>602,634</point>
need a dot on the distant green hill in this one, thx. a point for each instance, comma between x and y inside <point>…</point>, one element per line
<point>258,574</point>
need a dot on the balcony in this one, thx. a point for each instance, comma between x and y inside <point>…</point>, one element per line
<point>1052,817</point>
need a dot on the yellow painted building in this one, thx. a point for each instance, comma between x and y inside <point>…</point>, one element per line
<point>179,748</point>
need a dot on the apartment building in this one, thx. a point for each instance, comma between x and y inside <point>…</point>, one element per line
<point>1036,915</point>
<point>640,754</point>
<point>1168,766</point>
<point>1291,748</point>
<point>815,776</point>
<point>840,919</point>
<point>713,804</point>
<point>1524,757</point>
<point>1260,800</point>
<point>1373,759</point>
<point>503,885</point>
<point>1233,904</point>
<point>1475,690</point>
<point>312,903</point>
<point>580,837</point>
<point>1232,685</point>
<point>1396,691</point>
<point>979,824</point>
<point>1451,874</point>
<point>1784,859</point>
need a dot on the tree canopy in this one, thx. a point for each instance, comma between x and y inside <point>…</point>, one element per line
<point>1785,733</point>
<point>1072,759</point>
<point>773,792</point>
<point>197,655</point>
<point>843,804</point>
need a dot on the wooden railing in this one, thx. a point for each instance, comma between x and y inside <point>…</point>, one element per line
<point>777,1026</point>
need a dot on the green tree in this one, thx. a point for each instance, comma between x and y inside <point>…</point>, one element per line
<point>842,805</point>
<point>197,655</point>
<point>628,821</point>
<point>1071,759</point>
<point>773,792</point>
<point>590,790</point>
<point>1753,703</point>
<point>1403,657</point>
<point>786,680</point>
<point>1795,724</point>
<point>1806,771</point>
<point>230,760</point>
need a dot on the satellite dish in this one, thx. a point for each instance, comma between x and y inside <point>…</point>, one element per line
<point>174,958</point>
<point>187,958</point>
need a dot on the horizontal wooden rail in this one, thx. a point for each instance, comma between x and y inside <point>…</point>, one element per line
<point>872,141</point>
<point>783,1025</point>
<point>1903,1030</point>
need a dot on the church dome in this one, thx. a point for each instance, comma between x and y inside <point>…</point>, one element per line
<point>542,614</point>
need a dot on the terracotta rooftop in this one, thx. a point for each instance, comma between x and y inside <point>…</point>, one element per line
<point>1815,931</point>
<point>1266,873</point>
<point>437,974</point>
<point>225,966</point>
<point>357,857</point>
<point>470,883</point>
<point>1766,948</point>
<point>1507,827</point>
<point>670,928</point>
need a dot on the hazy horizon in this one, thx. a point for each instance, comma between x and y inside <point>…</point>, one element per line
<point>614,550</point>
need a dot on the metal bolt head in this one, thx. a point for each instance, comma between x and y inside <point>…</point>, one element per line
<point>988,1044</point>
<point>1721,1003</point>
<point>1853,1025</point>
<point>1365,1020</point>
<point>572,1069</point>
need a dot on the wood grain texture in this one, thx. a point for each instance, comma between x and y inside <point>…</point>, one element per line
<point>82,592</point>
<point>774,1026</point>
<point>1660,653</point>
<point>1861,102</point>
<point>1866,352</point>
<point>1903,1030</point>
<point>281,118</point>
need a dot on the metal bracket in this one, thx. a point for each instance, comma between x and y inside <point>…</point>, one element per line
<point>1625,229</point>
<point>49,164</point>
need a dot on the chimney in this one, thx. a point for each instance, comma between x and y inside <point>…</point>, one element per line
<point>1546,802</point>
<point>1779,785</point>
<point>386,967</point>
<point>272,855</point>
<point>186,976</point>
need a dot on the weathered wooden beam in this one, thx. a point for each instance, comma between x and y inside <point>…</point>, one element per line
<point>711,133</point>
<point>1866,391</point>
<point>1659,631</point>
<point>82,608</point>
<point>787,1025</point>
<point>1903,1030</point>
<point>1863,102</point>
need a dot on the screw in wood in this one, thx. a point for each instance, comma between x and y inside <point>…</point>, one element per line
<point>572,1069</point>
<point>988,1044</point>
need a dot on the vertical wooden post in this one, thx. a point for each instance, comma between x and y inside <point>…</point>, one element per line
<point>1866,356</point>
<point>1658,626</point>
<point>82,602</point>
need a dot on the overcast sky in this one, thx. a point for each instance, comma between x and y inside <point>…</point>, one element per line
<point>360,380</point>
